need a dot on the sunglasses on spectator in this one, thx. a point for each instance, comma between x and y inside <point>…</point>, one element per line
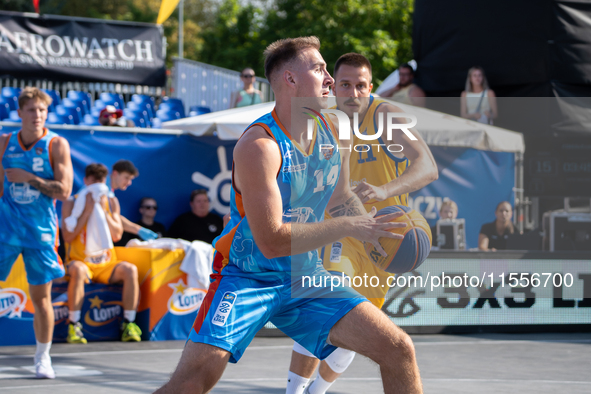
<point>109,115</point>
<point>154,207</point>
<point>247,75</point>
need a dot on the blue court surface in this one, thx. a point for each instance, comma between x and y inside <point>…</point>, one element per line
<point>484,363</point>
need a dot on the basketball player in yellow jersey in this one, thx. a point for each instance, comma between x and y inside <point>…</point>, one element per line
<point>103,267</point>
<point>381,177</point>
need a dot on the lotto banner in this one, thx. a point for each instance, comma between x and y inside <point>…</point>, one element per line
<point>166,311</point>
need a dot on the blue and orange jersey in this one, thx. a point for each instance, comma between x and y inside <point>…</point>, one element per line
<point>28,218</point>
<point>377,166</point>
<point>306,180</point>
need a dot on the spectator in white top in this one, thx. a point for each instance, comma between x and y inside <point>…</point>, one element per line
<point>478,102</point>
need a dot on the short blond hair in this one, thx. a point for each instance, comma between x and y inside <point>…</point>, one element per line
<point>30,93</point>
<point>285,50</point>
<point>448,204</point>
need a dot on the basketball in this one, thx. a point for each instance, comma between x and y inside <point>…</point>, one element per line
<point>406,254</point>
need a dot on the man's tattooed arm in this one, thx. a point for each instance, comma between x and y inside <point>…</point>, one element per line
<point>352,207</point>
<point>48,187</point>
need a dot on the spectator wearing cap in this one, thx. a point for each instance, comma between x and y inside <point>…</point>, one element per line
<point>111,116</point>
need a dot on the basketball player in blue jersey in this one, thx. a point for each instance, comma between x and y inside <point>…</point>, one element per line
<point>380,178</point>
<point>36,169</point>
<point>282,184</point>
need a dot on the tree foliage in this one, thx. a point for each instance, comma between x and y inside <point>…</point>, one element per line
<point>378,29</point>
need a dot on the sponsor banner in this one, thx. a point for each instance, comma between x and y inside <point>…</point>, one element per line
<point>81,49</point>
<point>492,292</point>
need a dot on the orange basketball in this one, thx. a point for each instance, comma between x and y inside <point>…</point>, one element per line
<point>406,254</point>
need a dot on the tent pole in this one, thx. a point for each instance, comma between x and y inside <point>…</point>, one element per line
<point>181,47</point>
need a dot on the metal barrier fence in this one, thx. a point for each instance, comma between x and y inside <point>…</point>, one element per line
<point>205,85</point>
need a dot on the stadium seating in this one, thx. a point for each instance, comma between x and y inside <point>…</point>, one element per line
<point>55,119</point>
<point>196,110</point>
<point>113,99</point>
<point>80,107</point>
<point>90,120</point>
<point>173,103</point>
<point>13,117</point>
<point>80,98</point>
<point>165,115</point>
<point>146,102</point>
<point>4,109</point>
<point>11,96</point>
<point>138,117</point>
<point>156,123</point>
<point>70,113</point>
<point>56,98</point>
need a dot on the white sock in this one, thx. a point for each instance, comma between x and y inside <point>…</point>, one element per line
<point>129,316</point>
<point>74,316</point>
<point>42,351</point>
<point>319,386</point>
<point>296,384</point>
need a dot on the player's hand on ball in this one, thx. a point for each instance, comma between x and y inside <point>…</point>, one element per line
<point>367,192</point>
<point>371,229</point>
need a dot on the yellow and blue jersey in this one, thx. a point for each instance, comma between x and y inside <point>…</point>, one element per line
<point>306,180</point>
<point>27,216</point>
<point>378,165</point>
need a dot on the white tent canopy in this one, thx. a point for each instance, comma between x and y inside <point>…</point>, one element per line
<point>436,128</point>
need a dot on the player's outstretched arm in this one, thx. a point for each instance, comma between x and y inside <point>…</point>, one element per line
<point>60,187</point>
<point>421,172</point>
<point>257,161</point>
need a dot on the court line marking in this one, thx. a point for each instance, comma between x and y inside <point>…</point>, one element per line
<point>446,343</point>
<point>283,379</point>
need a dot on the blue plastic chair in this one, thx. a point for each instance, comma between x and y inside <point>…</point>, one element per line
<point>4,109</point>
<point>80,107</point>
<point>198,110</point>
<point>55,119</point>
<point>80,98</point>
<point>95,112</point>
<point>90,120</point>
<point>72,113</point>
<point>146,101</point>
<point>165,115</point>
<point>113,99</point>
<point>55,97</point>
<point>175,103</point>
<point>172,107</point>
<point>156,123</point>
<point>11,96</point>
<point>140,110</point>
<point>13,117</point>
<point>137,117</point>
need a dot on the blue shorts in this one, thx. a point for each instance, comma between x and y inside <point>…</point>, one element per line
<point>236,308</point>
<point>42,265</point>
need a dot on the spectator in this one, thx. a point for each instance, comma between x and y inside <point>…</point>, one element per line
<point>111,116</point>
<point>122,175</point>
<point>493,236</point>
<point>406,92</point>
<point>448,210</point>
<point>198,224</point>
<point>478,102</point>
<point>248,95</point>
<point>102,266</point>
<point>148,209</point>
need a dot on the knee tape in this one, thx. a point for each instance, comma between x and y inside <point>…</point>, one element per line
<point>302,350</point>
<point>340,359</point>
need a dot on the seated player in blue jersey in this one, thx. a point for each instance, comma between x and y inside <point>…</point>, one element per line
<point>36,169</point>
<point>282,184</point>
<point>381,178</point>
